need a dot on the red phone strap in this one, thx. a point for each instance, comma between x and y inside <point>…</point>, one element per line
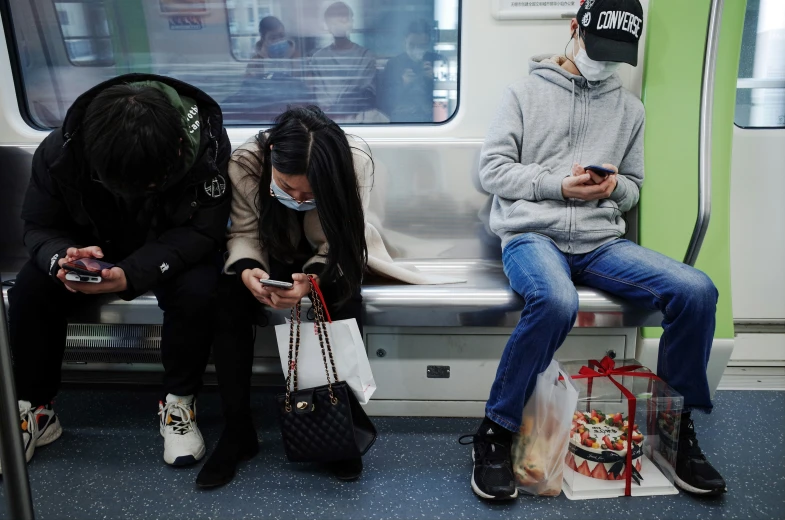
<point>321,297</point>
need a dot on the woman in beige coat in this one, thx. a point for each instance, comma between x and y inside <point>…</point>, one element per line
<point>297,210</point>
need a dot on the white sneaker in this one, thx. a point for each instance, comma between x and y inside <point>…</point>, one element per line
<point>39,428</point>
<point>183,442</point>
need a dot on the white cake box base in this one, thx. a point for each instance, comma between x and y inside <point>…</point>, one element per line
<point>584,488</point>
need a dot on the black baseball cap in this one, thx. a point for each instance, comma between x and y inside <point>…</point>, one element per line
<point>611,29</point>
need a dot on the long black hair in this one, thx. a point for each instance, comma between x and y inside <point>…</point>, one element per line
<point>306,142</point>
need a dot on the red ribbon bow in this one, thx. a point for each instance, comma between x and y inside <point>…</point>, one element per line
<point>606,367</point>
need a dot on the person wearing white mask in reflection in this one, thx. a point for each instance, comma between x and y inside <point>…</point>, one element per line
<point>406,85</point>
<point>275,53</point>
<point>343,73</point>
<point>274,78</point>
<point>562,223</point>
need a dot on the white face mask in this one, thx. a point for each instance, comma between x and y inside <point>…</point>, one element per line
<point>339,28</point>
<point>416,53</point>
<point>594,70</point>
<point>289,201</point>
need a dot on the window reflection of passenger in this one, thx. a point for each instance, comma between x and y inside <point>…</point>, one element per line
<point>274,52</point>
<point>273,79</point>
<point>406,89</point>
<point>344,73</point>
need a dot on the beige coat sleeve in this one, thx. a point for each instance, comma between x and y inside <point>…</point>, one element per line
<point>243,237</point>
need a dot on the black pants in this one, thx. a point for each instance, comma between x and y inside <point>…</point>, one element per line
<point>238,313</point>
<point>38,319</point>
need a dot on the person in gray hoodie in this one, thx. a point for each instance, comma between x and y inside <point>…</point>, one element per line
<point>561,221</point>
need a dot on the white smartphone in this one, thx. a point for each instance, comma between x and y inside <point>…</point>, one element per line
<point>277,284</point>
<point>72,276</point>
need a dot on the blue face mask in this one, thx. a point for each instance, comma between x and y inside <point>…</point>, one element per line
<point>288,201</point>
<point>278,49</point>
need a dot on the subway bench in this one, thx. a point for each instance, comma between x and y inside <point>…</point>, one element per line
<point>433,348</point>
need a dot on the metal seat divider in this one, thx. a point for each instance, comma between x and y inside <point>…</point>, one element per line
<point>15,478</point>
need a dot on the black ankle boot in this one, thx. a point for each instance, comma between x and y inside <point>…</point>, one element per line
<point>235,445</point>
<point>347,470</point>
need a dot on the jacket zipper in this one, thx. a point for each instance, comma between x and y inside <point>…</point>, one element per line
<point>581,134</point>
<point>578,148</point>
<point>571,205</point>
<point>582,129</point>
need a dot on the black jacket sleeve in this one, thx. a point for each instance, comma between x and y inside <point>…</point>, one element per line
<point>46,218</point>
<point>180,248</point>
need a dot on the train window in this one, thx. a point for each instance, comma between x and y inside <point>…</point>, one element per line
<point>760,94</point>
<point>362,61</point>
<point>85,30</point>
<point>245,35</point>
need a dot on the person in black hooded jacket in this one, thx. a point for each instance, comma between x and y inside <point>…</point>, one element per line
<point>136,176</point>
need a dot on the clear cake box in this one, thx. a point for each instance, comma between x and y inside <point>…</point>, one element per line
<point>596,461</point>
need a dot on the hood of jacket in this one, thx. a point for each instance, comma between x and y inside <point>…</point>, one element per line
<point>548,122</point>
<point>182,96</point>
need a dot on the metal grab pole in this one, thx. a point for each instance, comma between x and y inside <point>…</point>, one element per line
<point>705,133</point>
<point>17,486</point>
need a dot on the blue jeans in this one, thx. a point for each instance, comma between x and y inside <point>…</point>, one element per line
<point>544,277</point>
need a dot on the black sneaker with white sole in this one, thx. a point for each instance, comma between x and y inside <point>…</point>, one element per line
<point>694,474</point>
<point>492,476</point>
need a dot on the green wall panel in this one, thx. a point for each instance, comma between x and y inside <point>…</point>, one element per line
<point>671,92</point>
<point>129,36</point>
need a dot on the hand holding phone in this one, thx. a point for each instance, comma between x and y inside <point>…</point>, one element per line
<point>85,270</point>
<point>94,277</point>
<point>250,278</point>
<point>286,298</point>
<point>599,170</point>
<point>72,276</point>
<point>277,284</point>
<point>585,184</point>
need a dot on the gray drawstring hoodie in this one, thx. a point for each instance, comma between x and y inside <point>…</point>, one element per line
<point>546,123</point>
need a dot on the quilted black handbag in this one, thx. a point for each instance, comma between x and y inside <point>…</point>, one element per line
<point>325,423</point>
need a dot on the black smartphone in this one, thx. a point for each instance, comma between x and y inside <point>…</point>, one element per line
<point>85,270</point>
<point>599,170</point>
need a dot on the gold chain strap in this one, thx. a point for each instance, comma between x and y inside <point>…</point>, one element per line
<point>316,302</point>
<point>294,348</point>
<point>294,345</point>
<point>322,325</point>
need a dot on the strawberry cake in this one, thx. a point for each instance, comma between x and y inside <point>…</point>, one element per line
<point>598,446</point>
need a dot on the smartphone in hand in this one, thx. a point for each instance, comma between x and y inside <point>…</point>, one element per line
<point>599,170</point>
<point>277,284</point>
<point>86,270</point>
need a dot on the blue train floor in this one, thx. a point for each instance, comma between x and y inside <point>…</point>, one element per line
<point>108,464</point>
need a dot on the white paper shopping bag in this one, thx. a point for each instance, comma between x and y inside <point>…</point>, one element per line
<point>351,359</point>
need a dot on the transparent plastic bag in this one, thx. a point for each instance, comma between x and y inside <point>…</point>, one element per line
<point>538,450</point>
